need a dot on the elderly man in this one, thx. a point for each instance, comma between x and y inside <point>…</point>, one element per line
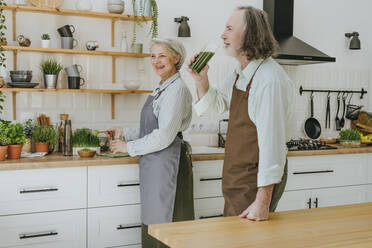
<point>258,95</point>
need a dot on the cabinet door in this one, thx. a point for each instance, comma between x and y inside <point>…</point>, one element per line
<point>44,230</point>
<point>293,200</point>
<point>369,193</point>
<point>339,196</point>
<point>114,226</point>
<point>209,208</point>
<point>207,178</point>
<point>369,168</point>
<point>38,190</point>
<point>113,185</point>
<point>326,171</point>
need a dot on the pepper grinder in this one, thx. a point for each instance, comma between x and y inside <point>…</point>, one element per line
<point>67,138</point>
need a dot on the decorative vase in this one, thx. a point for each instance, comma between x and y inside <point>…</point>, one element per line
<point>14,151</point>
<point>143,7</point>
<point>50,81</point>
<point>350,143</point>
<point>45,43</point>
<point>41,147</point>
<point>27,146</point>
<point>3,150</point>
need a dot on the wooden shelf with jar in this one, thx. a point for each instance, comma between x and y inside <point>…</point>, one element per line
<point>113,92</point>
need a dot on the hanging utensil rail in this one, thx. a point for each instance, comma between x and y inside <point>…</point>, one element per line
<point>361,92</point>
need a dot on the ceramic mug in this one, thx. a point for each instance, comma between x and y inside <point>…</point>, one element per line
<point>74,82</point>
<point>68,42</point>
<point>65,31</point>
<point>74,70</point>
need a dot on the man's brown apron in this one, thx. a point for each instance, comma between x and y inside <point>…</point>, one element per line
<point>239,180</point>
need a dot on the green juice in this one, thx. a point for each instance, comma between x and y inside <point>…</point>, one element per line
<point>200,61</point>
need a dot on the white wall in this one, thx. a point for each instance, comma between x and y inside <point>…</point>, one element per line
<point>320,23</point>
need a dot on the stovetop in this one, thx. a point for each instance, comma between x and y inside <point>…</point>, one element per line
<point>307,144</point>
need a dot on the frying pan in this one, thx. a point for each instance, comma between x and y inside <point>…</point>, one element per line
<point>312,125</point>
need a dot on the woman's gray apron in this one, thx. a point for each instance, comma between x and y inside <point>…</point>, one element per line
<point>158,172</point>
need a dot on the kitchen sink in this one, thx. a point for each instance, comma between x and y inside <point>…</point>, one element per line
<point>207,150</point>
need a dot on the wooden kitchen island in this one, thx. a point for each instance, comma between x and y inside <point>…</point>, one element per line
<point>341,226</point>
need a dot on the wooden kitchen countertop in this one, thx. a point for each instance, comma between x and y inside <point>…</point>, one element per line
<point>341,226</point>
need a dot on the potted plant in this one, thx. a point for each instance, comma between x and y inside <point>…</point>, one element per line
<point>2,34</point>
<point>84,139</point>
<point>350,138</point>
<point>45,40</point>
<point>145,8</point>
<point>4,139</point>
<point>50,69</point>
<point>17,138</point>
<point>44,137</point>
<point>28,127</point>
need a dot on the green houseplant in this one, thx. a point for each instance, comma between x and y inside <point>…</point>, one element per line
<point>84,139</point>
<point>350,137</point>
<point>17,138</point>
<point>142,8</point>
<point>50,69</point>
<point>28,127</point>
<point>2,41</point>
<point>4,139</point>
<point>45,137</point>
<point>45,40</point>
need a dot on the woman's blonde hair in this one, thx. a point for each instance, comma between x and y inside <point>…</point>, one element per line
<point>258,39</point>
<point>174,46</point>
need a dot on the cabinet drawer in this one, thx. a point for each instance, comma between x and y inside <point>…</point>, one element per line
<point>113,185</point>
<point>44,230</point>
<point>37,190</point>
<point>114,226</point>
<point>209,207</point>
<point>326,171</point>
<point>208,178</point>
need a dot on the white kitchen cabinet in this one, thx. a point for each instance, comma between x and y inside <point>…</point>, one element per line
<point>59,229</point>
<point>113,185</point>
<point>369,193</point>
<point>37,190</point>
<point>208,178</point>
<point>369,168</point>
<point>327,197</point>
<point>209,207</point>
<point>114,226</point>
<point>326,171</point>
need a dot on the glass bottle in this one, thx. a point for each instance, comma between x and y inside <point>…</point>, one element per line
<point>67,138</point>
<point>203,57</point>
<point>124,42</point>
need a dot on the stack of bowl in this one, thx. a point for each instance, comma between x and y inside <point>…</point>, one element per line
<point>21,79</point>
<point>115,6</point>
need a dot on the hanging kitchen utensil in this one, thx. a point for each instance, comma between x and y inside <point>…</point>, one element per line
<point>337,120</point>
<point>312,125</point>
<point>342,121</point>
<point>352,111</point>
<point>328,112</point>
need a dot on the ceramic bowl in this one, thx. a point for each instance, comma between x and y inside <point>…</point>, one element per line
<point>86,154</point>
<point>118,2</point>
<point>20,76</point>
<point>132,85</point>
<point>115,8</point>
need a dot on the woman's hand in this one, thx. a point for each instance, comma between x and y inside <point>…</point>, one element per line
<point>118,146</point>
<point>117,131</point>
<point>201,79</point>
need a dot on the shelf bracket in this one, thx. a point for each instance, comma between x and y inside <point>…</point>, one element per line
<point>114,69</point>
<point>14,100</point>
<point>14,24</point>
<point>112,106</point>
<point>15,59</point>
<point>113,32</point>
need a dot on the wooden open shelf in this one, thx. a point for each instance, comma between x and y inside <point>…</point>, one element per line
<point>114,55</point>
<point>113,92</point>
<point>71,12</point>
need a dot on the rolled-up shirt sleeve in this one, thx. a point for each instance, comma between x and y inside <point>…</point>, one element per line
<point>269,114</point>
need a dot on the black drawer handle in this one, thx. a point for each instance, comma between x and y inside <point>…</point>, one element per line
<point>122,227</point>
<point>312,172</point>
<point>210,179</point>
<point>29,236</point>
<point>25,191</point>
<point>128,184</point>
<point>212,216</point>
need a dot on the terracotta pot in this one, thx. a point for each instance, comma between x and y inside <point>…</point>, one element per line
<point>27,146</point>
<point>14,151</point>
<point>41,147</point>
<point>3,150</point>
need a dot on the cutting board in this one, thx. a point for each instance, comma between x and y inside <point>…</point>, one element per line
<point>47,3</point>
<point>115,155</point>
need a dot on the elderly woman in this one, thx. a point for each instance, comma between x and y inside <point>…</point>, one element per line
<point>166,181</point>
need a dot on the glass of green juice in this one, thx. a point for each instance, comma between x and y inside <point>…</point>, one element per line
<point>203,57</point>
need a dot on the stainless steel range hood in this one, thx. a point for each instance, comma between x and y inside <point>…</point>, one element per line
<point>292,51</point>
